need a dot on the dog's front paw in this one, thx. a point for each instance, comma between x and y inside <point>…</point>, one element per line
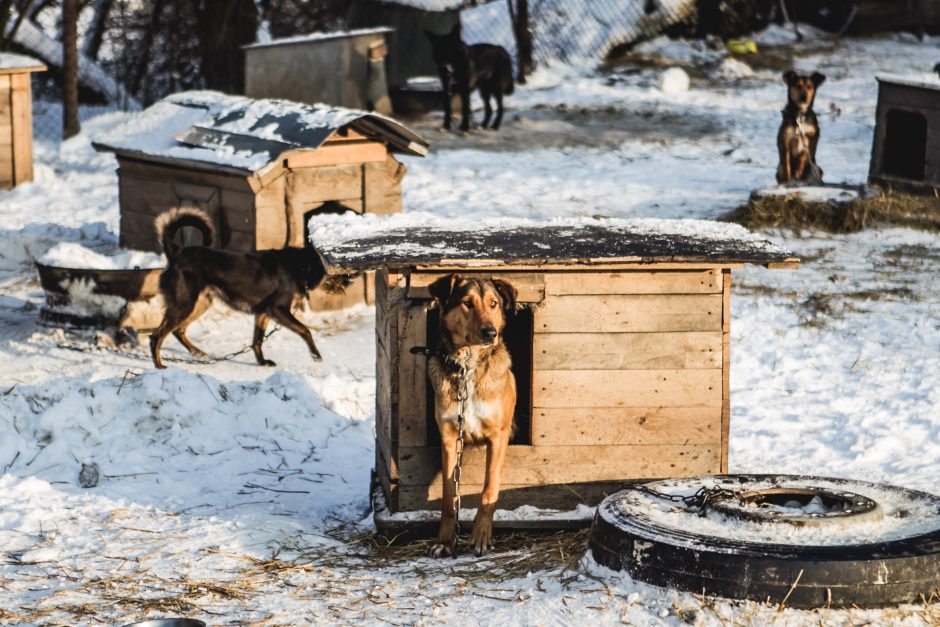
<point>266,362</point>
<point>482,538</point>
<point>316,357</point>
<point>442,549</point>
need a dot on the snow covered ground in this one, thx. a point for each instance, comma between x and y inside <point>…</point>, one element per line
<point>239,494</point>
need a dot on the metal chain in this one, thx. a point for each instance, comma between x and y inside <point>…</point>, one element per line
<point>817,173</point>
<point>137,354</point>
<point>461,405</point>
<point>700,500</point>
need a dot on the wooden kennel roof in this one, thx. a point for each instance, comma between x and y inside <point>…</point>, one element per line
<point>217,131</point>
<point>548,246</point>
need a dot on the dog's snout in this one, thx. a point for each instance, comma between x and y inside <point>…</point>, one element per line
<point>488,333</point>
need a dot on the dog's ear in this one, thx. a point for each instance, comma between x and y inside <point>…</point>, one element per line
<point>789,77</point>
<point>818,79</point>
<point>442,288</point>
<point>507,292</point>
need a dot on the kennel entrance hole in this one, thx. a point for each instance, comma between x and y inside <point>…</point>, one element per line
<point>518,337</point>
<point>905,144</point>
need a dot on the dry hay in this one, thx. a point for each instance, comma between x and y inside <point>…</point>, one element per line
<point>882,208</point>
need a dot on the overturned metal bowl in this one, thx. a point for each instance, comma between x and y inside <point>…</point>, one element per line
<point>168,622</point>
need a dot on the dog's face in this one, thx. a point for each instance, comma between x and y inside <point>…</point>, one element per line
<point>801,90</point>
<point>445,49</point>
<point>473,311</point>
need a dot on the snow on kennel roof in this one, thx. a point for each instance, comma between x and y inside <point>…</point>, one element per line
<point>11,62</point>
<point>244,134</point>
<point>319,36</point>
<point>421,240</point>
<point>435,5</point>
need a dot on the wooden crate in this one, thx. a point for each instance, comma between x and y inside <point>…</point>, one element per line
<point>628,378</point>
<point>16,119</point>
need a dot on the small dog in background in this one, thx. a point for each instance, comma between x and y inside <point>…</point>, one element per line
<point>799,131</point>
<point>267,284</point>
<point>466,68</point>
<point>471,362</point>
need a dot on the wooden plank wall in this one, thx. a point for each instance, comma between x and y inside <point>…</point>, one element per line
<point>16,130</point>
<point>630,380</point>
<point>148,189</point>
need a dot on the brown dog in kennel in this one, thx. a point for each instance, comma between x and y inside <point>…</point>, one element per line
<point>474,394</point>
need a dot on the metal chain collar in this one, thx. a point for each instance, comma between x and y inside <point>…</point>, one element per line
<point>809,156</point>
<point>698,501</point>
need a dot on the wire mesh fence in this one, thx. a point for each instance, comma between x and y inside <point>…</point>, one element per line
<point>579,30</point>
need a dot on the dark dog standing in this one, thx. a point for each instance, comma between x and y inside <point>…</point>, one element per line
<point>799,130</point>
<point>466,68</point>
<point>266,284</point>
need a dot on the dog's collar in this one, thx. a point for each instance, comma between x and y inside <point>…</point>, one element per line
<point>449,362</point>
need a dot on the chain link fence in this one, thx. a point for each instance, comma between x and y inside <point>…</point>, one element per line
<point>573,31</point>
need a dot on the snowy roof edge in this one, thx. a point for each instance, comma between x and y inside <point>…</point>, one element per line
<point>319,36</point>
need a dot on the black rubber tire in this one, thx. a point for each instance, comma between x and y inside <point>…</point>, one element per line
<point>899,571</point>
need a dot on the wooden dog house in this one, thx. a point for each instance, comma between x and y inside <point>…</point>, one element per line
<point>260,168</point>
<point>16,118</point>
<point>906,148</point>
<point>345,68</point>
<point>620,352</point>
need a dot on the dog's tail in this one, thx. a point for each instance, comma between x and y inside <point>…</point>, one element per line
<point>169,223</point>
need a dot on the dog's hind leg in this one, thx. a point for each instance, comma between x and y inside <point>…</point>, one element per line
<point>465,113</point>
<point>261,323</point>
<point>499,110</point>
<point>283,315</point>
<point>487,109</point>
<point>202,304</point>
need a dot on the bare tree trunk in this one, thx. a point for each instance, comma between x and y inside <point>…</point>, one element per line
<point>520,28</point>
<point>138,72</point>
<point>224,26</point>
<point>95,33</point>
<point>6,12</point>
<point>70,125</point>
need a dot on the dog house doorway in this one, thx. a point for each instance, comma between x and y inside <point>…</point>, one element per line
<point>518,337</point>
<point>330,207</point>
<point>905,144</point>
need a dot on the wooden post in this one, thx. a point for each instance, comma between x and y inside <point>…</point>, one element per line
<point>70,126</point>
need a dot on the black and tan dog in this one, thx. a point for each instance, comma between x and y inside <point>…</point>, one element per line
<point>799,130</point>
<point>267,284</point>
<point>472,361</point>
<point>462,67</point>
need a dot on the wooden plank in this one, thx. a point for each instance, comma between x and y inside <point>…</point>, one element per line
<point>578,426</point>
<point>382,186</point>
<point>137,232</point>
<point>627,388</point>
<point>627,351</point>
<point>530,285</point>
<point>7,158</point>
<point>725,369</point>
<point>178,174</point>
<point>271,216</point>
<point>22,132</point>
<point>319,184</point>
<point>562,496</point>
<point>629,314</point>
<point>238,241</point>
<point>618,264</point>
<point>338,153</point>
<point>412,378</point>
<point>633,282</point>
<point>238,210</point>
<point>541,465</point>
